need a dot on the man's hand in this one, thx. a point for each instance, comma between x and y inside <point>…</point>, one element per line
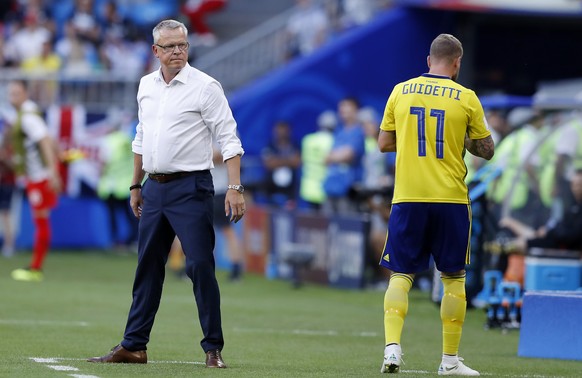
<point>234,205</point>
<point>136,202</point>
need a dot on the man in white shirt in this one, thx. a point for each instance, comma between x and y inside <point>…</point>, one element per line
<point>180,111</point>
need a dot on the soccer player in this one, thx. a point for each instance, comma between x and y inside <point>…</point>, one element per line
<point>35,158</point>
<point>429,121</point>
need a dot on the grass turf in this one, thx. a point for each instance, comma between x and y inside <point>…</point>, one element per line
<point>271,330</point>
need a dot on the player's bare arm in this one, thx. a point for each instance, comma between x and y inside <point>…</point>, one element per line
<point>484,148</point>
<point>387,141</point>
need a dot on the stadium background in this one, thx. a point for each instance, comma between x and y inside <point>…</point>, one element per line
<point>510,48</point>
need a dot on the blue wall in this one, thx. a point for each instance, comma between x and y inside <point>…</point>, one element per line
<point>76,223</point>
<point>365,62</point>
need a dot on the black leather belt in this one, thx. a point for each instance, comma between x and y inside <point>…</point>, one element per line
<point>167,177</point>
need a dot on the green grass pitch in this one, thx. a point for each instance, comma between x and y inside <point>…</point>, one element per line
<point>48,329</point>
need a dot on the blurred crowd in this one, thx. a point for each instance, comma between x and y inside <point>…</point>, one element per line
<point>90,38</point>
<point>335,170</point>
<point>534,185</point>
<point>313,22</point>
<point>80,37</point>
<point>532,188</point>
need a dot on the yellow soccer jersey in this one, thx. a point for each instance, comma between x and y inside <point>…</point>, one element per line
<point>431,115</point>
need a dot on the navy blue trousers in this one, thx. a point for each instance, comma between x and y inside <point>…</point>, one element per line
<point>182,207</point>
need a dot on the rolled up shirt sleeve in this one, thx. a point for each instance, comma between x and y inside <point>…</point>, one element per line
<point>219,119</point>
<point>136,144</point>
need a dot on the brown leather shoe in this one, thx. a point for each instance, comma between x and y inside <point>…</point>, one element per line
<point>121,355</point>
<point>214,359</point>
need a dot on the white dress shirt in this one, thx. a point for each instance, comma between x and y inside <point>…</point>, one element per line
<point>177,122</point>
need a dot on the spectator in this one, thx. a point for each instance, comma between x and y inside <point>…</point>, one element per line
<point>314,150</point>
<point>47,63</point>
<point>121,37</point>
<point>135,55</point>
<point>549,183</point>
<point>196,11</point>
<point>79,57</point>
<point>115,25</point>
<point>357,12</point>
<point>344,162</point>
<point>84,22</point>
<point>562,234</point>
<point>567,158</point>
<point>306,28</point>
<point>281,159</point>
<point>517,189</point>
<point>27,42</point>
<point>44,68</point>
<point>43,8</point>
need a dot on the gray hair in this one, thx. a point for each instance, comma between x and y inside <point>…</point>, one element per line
<point>168,24</point>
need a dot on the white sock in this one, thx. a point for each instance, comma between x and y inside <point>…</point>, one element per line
<point>450,360</point>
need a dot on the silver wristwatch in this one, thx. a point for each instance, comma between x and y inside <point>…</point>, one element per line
<point>238,188</point>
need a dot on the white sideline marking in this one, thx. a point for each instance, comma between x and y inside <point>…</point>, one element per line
<point>54,360</point>
<point>50,360</point>
<point>366,334</point>
<point>63,368</point>
<point>45,360</point>
<point>416,372</point>
<point>308,332</point>
<point>487,374</point>
<point>44,323</point>
<point>177,362</point>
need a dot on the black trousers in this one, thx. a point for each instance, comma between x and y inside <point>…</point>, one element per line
<point>182,207</point>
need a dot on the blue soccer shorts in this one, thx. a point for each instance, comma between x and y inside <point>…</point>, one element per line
<point>418,230</point>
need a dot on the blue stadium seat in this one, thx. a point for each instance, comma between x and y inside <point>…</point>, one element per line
<point>148,13</point>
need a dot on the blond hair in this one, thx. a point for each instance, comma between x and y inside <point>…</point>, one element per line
<point>446,47</point>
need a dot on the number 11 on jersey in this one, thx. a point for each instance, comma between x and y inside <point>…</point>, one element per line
<point>439,114</point>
